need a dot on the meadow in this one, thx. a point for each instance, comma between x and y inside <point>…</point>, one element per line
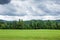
<point>30,34</point>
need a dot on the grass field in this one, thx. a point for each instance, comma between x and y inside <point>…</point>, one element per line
<point>29,34</point>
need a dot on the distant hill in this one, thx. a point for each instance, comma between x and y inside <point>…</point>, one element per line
<point>2,20</point>
<point>27,21</point>
<point>57,20</point>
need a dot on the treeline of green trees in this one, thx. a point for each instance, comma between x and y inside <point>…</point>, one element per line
<point>32,24</point>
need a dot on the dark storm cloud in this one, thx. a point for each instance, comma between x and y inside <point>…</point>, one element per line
<point>4,1</point>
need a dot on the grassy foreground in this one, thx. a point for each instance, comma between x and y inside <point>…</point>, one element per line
<point>29,34</point>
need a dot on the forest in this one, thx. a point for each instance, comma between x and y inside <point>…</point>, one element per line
<point>31,24</point>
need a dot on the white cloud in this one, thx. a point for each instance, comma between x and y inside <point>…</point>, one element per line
<point>30,9</point>
<point>10,18</point>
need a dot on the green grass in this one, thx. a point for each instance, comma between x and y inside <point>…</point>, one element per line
<point>29,34</point>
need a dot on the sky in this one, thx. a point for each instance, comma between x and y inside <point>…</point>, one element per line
<point>30,9</point>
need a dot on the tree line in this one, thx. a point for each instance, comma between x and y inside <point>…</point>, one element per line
<point>32,24</point>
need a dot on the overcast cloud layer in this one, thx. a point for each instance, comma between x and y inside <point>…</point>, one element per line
<point>30,9</point>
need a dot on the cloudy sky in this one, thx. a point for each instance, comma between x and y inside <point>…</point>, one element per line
<point>30,9</point>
